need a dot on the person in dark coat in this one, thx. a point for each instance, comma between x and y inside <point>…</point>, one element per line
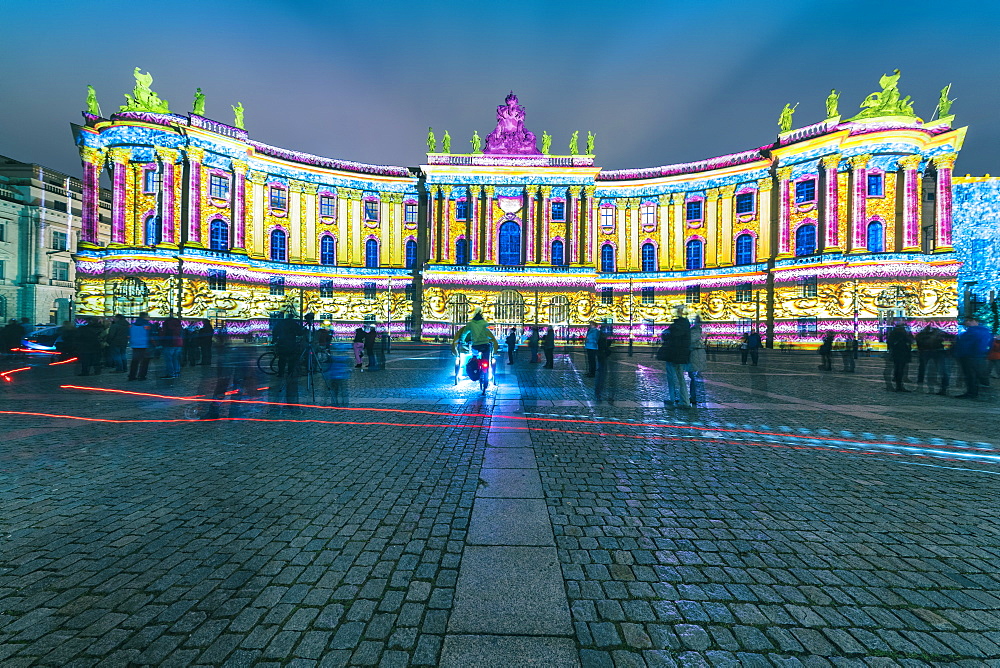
<point>750,347</point>
<point>899,345</point>
<point>118,343</point>
<point>511,342</point>
<point>533,345</point>
<point>358,346</point>
<point>603,361</point>
<point>970,351</point>
<point>826,352</point>
<point>677,345</point>
<point>204,338</point>
<point>370,338</point>
<point>549,346</point>
<point>90,346</point>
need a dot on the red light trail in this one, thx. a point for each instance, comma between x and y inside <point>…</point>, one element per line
<point>6,374</point>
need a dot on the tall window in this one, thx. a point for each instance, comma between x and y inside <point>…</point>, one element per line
<point>461,251</point>
<point>218,186</point>
<point>805,191</point>
<point>693,256</point>
<point>279,198</point>
<point>371,210</point>
<point>326,287</point>
<point>216,279</point>
<point>557,253</point>
<point>744,249</point>
<point>218,235</point>
<point>151,180</point>
<point>510,243</point>
<point>608,216</point>
<point>154,231</point>
<point>278,246</point>
<point>371,254</point>
<point>558,211</point>
<point>60,270</point>
<point>607,258</point>
<point>59,240</point>
<point>648,257</point>
<point>327,207</point>
<point>692,211</point>
<point>744,203</point>
<point>875,185</point>
<point>648,215</point>
<point>876,240</point>
<point>461,210</point>
<point>805,240</point>
<point>327,250</point>
<point>411,253</point>
<point>276,285</point>
<point>410,213</point>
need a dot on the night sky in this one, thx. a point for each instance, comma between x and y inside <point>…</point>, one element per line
<point>658,82</point>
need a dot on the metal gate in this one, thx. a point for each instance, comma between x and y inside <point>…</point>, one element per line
<point>458,312</point>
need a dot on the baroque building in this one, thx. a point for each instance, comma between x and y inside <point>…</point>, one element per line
<point>842,225</point>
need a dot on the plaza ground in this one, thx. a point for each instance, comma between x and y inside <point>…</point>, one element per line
<point>798,517</point>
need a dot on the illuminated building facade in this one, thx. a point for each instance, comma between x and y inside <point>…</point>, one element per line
<point>842,225</point>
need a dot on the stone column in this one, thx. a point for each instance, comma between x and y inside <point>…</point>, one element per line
<point>353,227</point>
<point>195,156</point>
<point>168,196</point>
<point>572,217</point>
<point>119,176</point>
<point>909,193</point>
<point>784,213</point>
<point>831,203</point>
<point>308,252</point>
<point>489,234</point>
<point>764,239</point>
<point>433,228</point>
<point>587,227</point>
<point>475,223</point>
<point>726,240</point>
<point>93,162</point>
<point>621,242</point>
<point>543,247</point>
<point>447,238</point>
<point>293,220</point>
<point>859,202</point>
<point>254,242</point>
<point>711,223</point>
<point>679,227</point>
<point>663,233</point>
<point>942,202</point>
<point>631,230</point>
<point>530,222</point>
<point>239,207</point>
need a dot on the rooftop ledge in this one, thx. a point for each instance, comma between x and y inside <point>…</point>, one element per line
<point>495,160</point>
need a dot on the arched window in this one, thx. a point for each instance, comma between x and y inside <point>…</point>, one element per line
<point>461,251</point>
<point>607,258</point>
<point>411,253</point>
<point>279,247</point>
<point>876,240</point>
<point>557,253</point>
<point>510,308</point>
<point>371,254</point>
<point>559,309</point>
<point>693,256</point>
<point>648,257</point>
<point>327,250</point>
<point>744,249</point>
<point>510,243</point>
<point>154,230</point>
<point>218,235</point>
<point>805,240</point>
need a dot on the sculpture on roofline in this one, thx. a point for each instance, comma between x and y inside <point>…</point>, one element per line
<point>238,110</point>
<point>944,104</point>
<point>431,141</point>
<point>886,102</point>
<point>477,142</point>
<point>446,143</point>
<point>574,143</point>
<point>93,108</point>
<point>785,117</point>
<point>590,142</point>
<point>142,98</point>
<point>832,101</point>
<point>510,137</point>
<point>546,142</point>
<point>199,103</point>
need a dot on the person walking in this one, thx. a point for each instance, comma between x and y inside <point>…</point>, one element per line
<point>287,336</point>
<point>603,360</point>
<point>677,351</point>
<point>970,351</point>
<point>511,342</point>
<point>826,352</point>
<point>140,334</point>
<point>338,373</point>
<point>358,345</point>
<point>533,340</point>
<point>697,364</point>
<point>849,353</point>
<point>937,366</point>
<point>549,347</point>
<point>191,349</point>
<point>90,341</point>
<point>923,341</point>
<point>370,337</point>
<point>204,337</point>
<point>118,342</point>
<point>899,345</point>
<point>590,348</point>
<point>750,347</point>
<point>172,335</point>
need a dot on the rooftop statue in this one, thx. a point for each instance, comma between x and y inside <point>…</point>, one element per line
<point>574,143</point>
<point>590,142</point>
<point>944,104</point>
<point>93,108</point>
<point>446,143</point>
<point>431,141</point>
<point>477,142</point>
<point>785,118</point>
<point>238,110</point>
<point>886,102</point>
<point>142,98</point>
<point>510,136</point>
<point>199,103</point>
<point>546,142</point>
<point>831,103</point>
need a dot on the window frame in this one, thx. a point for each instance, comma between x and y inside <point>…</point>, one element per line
<point>461,209</point>
<point>559,207</point>
<point>809,286</point>
<point>744,293</point>
<point>62,275</point>
<point>276,286</point>
<point>278,233</point>
<point>218,183</point>
<point>875,178</point>
<point>648,295</point>
<point>154,175</point>
<point>408,209</point>
<point>608,216</point>
<point>327,206</point>
<point>462,251</point>
<point>216,279</point>
<point>331,253</point>
<point>609,258</point>
<point>561,254</point>
<point>370,290</point>
<point>799,249</point>
<point>212,227</point>
<point>410,253</point>
<point>647,214</point>
<point>277,198</point>
<point>800,197</point>
<point>326,289</point>
<point>751,251</point>
<point>750,197</point>
<point>505,241</point>
<point>872,225</point>
<point>700,204</point>
<point>688,256</point>
<point>65,240</point>
<point>372,210</point>
<point>607,296</point>
<point>692,294</point>
<point>648,263</point>
<point>372,260</point>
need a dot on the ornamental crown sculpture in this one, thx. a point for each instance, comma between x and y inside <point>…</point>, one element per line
<point>510,137</point>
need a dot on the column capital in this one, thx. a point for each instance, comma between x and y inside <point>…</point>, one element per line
<point>784,173</point>
<point>632,202</point>
<point>945,160</point>
<point>119,154</point>
<point>240,167</point>
<point>93,156</point>
<point>352,193</point>
<point>476,191</point>
<point>860,161</point>
<point>254,176</point>
<point>677,198</point>
<point>434,190</point>
<point>727,192</point>
<point>490,191</point>
<point>712,193</point>
<point>574,191</point>
<point>830,161</point>
<point>589,191</point>
<point>446,190</point>
<point>546,191</point>
<point>167,155</point>
<point>663,200</point>
<point>620,202</point>
<point>765,185</point>
<point>196,154</point>
<point>308,188</point>
<point>295,186</point>
<point>910,162</point>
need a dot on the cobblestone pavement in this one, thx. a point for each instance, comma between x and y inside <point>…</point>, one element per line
<point>796,517</point>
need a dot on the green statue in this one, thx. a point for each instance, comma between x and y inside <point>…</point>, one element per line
<point>590,142</point>
<point>446,142</point>
<point>831,103</point>
<point>432,145</point>
<point>574,148</point>
<point>93,108</point>
<point>785,118</point>
<point>477,142</point>
<point>944,104</point>
<point>142,98</point>
<point>238,110</point>
<point>886,102</point>
<point>199,103</point>
<point>546,142</point>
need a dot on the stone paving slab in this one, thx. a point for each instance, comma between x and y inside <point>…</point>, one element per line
<point>509,484</point>
<point>509,458</point>
<point>484,651</point>
<point>500,521</point>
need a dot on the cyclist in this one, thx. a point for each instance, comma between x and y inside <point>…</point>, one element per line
<point>477,333</point>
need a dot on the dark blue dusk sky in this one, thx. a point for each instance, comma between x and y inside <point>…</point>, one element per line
<point>658,82</point>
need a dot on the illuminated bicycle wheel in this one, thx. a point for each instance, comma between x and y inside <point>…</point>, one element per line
<point>268,363</point>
